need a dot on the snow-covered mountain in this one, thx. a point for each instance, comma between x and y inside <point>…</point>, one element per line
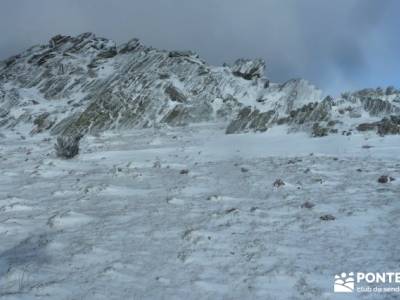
<point>149,209</point>
<point>85,83</point>
<point>75,85</point>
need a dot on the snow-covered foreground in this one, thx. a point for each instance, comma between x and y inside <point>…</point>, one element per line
<point>191,213</point>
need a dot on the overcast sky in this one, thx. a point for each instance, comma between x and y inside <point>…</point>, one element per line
<point>336,44</point>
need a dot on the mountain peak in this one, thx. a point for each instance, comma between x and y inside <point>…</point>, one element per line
<point>86,83</point>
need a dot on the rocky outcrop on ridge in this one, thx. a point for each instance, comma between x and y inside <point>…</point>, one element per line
<point>85,84</point>
<point>351,111</point>
<point>249,69</point>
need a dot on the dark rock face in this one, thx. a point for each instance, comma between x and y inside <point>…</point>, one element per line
<point>173,54</point>
<point>249,119</point>
<point>366,126</point>
<point>388,125</point>
<point>307,116</point>
<point>249,69</point>
<point>130,46</point>
<point>292,105</point>
<point>111,52</point>
<point>378,107</point>
<point>175,94</point>
<point>59,39</point>
<point>309,113</point>
<point>178,116</point>
<point>67,146</point>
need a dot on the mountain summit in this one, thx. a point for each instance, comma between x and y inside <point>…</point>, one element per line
<point>82,84</point>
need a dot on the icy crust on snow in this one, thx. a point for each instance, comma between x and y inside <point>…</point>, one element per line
<point>122,221</point>
<point>89,84</point>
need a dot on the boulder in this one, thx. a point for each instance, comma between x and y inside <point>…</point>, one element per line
<point>385,179</point>
<point>327,217</point>
<point>67,146</point>
<point>278,183</point>
<point>308,205</point>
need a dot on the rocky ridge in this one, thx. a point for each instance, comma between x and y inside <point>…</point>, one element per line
<point>85,84</point>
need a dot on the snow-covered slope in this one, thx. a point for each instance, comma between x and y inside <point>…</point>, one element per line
<point>192,213</point>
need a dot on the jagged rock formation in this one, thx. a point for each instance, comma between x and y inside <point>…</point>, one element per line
<point>249,69</point>
<point>85,84</point>
<point>76,85</point>
<point>320,117</point>
<point>293,102</point>
<point>383,127</point>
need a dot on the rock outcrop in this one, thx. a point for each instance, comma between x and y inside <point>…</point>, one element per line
<point>301,108</point>
<point>67,146</point>
<point>84,84</point>
<point>291,103</point>
<point>388,125</point>
<point>249,69</point>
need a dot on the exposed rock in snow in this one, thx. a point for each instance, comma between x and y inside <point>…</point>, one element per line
<point>294,105</point>
<point>132,45</point>
<point>385,179</point>
<point>278,183</point>
<point>308,205</point>
<point>388,125</point>
<point>89,84</point>
<point>67,146</point>
<point>249,69</point>
<point>42,122</point>
<point>250,119</point>
<point>327,218</point>
<point>319,131</point>
<point>182,54</point>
